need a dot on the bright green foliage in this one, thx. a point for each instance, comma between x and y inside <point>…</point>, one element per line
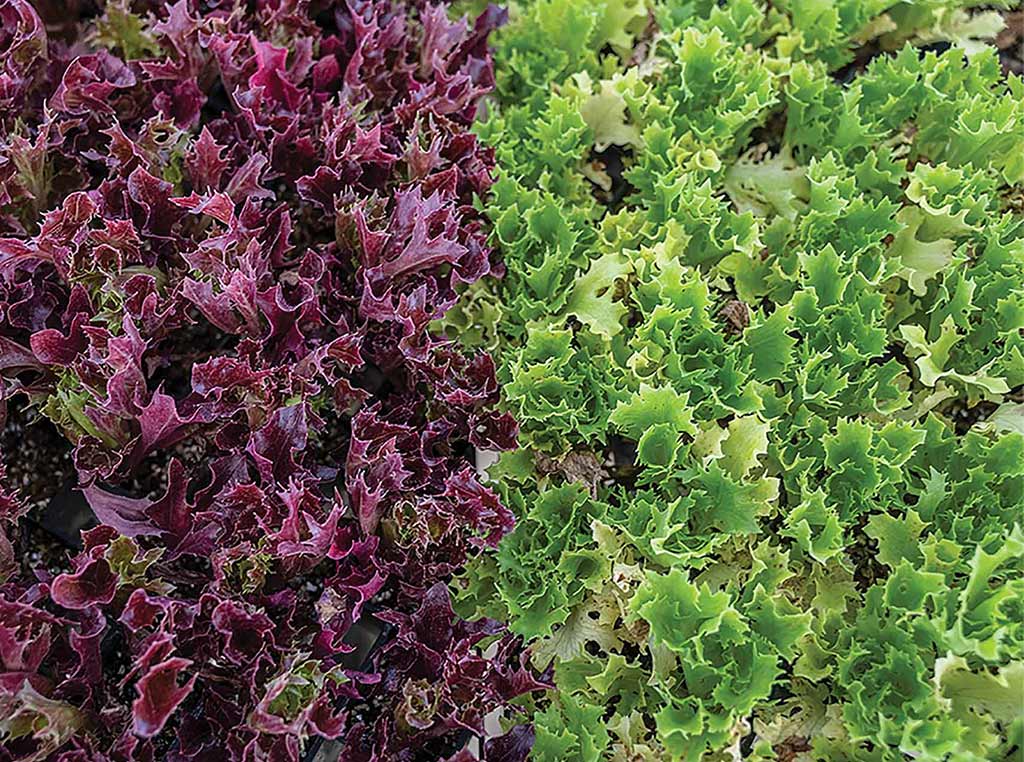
<point>763,329</point>
<point>124,31</point>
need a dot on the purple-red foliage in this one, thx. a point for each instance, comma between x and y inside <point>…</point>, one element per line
<point>224,232</point>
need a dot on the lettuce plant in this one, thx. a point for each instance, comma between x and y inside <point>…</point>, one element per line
<point>224,230</point>
<point>762,326</point>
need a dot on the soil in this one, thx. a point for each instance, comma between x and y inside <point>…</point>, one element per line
<point>39,468</point>
<point>36,454</point>
<point>1011,43</point>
